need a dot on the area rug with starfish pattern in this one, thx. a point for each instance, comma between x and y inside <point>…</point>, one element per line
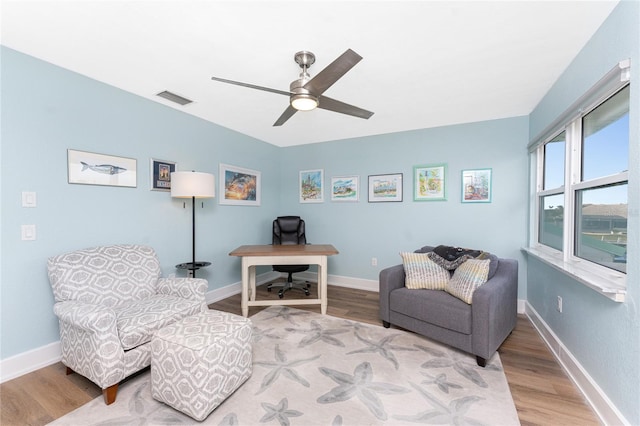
<point>313,369</point>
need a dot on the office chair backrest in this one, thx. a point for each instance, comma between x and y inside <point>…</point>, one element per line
<point>288,230</point>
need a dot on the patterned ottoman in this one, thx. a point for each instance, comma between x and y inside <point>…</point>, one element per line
<point>199,361</point>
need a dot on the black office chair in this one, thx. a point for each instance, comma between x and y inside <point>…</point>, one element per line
<point>289,230</point>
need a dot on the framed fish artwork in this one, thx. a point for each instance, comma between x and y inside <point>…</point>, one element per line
<point>89,168</point>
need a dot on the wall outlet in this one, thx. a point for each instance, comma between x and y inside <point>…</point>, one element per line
<point>559,306</point>
<point>374,261</point>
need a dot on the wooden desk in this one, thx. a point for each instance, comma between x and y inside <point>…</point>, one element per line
<point>315,254</point>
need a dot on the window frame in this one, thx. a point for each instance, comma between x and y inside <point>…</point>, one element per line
<point>606,281</point>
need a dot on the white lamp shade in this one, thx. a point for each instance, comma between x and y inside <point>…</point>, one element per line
<point>193,184</point>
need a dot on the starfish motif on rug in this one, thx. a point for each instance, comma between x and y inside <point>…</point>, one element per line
<point>441,381</point>
<point>463,366</point>
<point>383,347</point>
<point>279,412</point>
<point>360,385</point>
<point>354,325</point>
<point>452,414</point>
<point>287,314</point>
<point>316,334</point>
<point>282,366</point>
<point>259,334</point>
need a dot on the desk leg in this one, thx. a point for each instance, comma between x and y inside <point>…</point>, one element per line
<point>252,283</point>
<point>322,284</point>
<point>244,301</point>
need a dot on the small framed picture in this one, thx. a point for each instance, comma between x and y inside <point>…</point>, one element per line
<point>429,182</point>
<point>89,168</point>
<point>312,186</point>
<point>344,188</point>
<point>161,174</point>
<point>385,188</point>
<point>476,186</point>
<point>239,186</point>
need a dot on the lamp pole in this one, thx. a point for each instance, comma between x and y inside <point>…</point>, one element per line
<point>193,232</point>
<point>192,185</point>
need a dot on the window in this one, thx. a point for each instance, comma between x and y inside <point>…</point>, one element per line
<point>581,191</point>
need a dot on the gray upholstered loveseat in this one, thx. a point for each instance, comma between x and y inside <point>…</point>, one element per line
<point>478,328</point>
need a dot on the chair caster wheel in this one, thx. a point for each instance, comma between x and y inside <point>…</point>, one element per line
<point>306,292</point>
<point>280,294</point>
<point>308,285</point>
<point>269,289</point>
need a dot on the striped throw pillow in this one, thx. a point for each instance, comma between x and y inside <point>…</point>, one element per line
<point>467,278</point>
<point>422,272</point>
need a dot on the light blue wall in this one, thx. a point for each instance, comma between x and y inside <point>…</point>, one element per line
<point>364,230</point>
<point>45,111</point>
<point>603,335</point>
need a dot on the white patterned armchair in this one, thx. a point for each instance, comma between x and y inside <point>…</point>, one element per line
<point>110,301</point>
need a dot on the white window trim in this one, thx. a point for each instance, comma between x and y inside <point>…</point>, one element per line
<point>607,282</point>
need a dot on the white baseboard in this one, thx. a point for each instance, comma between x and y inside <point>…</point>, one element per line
<point>597,399</point>
<point>233,289</point>
<point>341,281</point>
<point>26,362</point>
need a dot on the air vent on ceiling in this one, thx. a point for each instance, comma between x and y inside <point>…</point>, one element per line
<point>174,98</point>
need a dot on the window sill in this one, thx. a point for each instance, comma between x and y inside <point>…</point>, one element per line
<point>609,283</point>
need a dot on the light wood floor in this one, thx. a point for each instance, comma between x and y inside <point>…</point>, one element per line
<point>542,392</point>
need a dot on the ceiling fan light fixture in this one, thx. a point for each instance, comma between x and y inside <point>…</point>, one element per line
<point>304,102</point>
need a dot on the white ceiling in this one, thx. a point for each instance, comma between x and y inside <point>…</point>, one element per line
<point>426,63</point>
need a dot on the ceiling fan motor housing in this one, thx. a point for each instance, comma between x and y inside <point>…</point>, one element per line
<point>302,99</point>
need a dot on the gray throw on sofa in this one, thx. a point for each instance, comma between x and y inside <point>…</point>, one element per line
<point>478,328</point>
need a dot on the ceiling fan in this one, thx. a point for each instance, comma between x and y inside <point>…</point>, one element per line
<point>306,93</point>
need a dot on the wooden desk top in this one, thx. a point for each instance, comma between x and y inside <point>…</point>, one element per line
<point>285,250</point>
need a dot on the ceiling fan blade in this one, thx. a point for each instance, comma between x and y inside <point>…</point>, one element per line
<point>287,114</point>
<point>337,106</point>
<point>336,69</point>
<point>252,86</point>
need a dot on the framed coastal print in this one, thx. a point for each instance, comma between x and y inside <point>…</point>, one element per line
<point>429,182</point>
<point>385,188</point>
<point>311,186</point>
<point>89,168</point>
<point>344,188</point>
<point>161,174</point>
<point>476,186</point>
<point>239,186</point>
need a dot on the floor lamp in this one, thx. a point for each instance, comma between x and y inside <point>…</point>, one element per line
<point>193,185</point>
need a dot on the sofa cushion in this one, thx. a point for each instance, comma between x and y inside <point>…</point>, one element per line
<point>138,321</point>
<point>467,278</point>
<point>422,273</point>
<point>435,307</point>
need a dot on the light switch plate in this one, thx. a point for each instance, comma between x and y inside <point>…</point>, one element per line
<point>28,232</point>
<point>28,199</point>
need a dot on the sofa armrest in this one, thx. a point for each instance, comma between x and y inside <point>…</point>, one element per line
<point>88,317</point>
<point>495,309</point>
<point>187,288</point>
<point>90,342</point>
<point>389,279</point>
